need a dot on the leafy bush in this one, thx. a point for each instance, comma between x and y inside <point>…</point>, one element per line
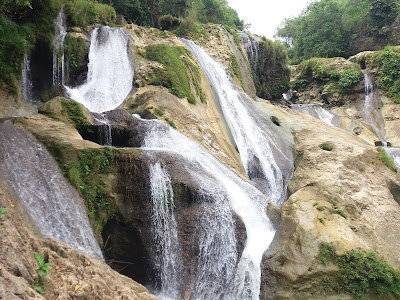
<point>87,12</point>
<point>326,147</point>
<point>158,112</point>
<point>349,78</point>
<point>190,28</point>
<point>387,160</point>
<point>178,73</point>
<point>361,272</point>
<point>168,22</point>
<point>75,55</point>
<point>389,72</point>
<point>43,268</point>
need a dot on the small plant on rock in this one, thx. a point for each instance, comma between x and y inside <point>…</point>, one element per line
<point>42,270</point>
<point>2,212</point>
<point>326,147</point>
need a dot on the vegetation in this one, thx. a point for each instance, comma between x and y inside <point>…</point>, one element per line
<point>342,213</point>
<point>152,12</point>
<point>326,147</point>
<point>2,213</point>
<point>341,77</point>
<point>387,160</point>
<point>389,72</point>
<point>329,28</point>
<point>86,12</point>
<point>22,24</point>
<point>74,112</point>
<point>178,74</point>
<point>85,175</point>
<point>361,273</point>
<point>75,55</point>
<point>236,69</point>
<point>42,270</point>
<point>158,112</point>
<point>171,123</point>
<point>270,72</point>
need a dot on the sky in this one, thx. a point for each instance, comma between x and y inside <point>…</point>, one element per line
<point>266,15</point>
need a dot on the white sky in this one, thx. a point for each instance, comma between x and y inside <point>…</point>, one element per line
<point>266,15</point>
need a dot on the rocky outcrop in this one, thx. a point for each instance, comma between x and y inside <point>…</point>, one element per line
<point>72,275</point>
<point>342,196</point>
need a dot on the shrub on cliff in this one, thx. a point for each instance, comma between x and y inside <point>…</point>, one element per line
<point>83,13</point>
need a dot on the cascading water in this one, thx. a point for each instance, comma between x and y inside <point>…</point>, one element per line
<point>110,73</point>
<point>58,52</point>
<point>317,112</point>
<point>371,112</point>
<point>54,205</point>
<point>258,151</point>
<point>27,80</point>
<point>105,136</point>
<point>251,45</point>
<point>219,274</point>
<point>288,95</point>
<point>165,233</point>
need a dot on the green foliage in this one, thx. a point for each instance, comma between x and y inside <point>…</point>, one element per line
<point>2,213</point>
<point>178,74</point>
<point>236,69</point>
<point>382,14</point>
<point>85,175</point>
<point>22,23</point>
<point>171,123</point>
<point>168,22</point>
<point>329,28</point>
<point>270,72</point>
<point>75,55</point>
<point>389,72</point>
<point>75,114</point>
<point>190,28</point>
<point>158,112</point>
<point>42,270</point>
<point>349,78</point>
<point>342,213</point>
<point>326,147</point>
<point>387,160</point>
<point>361,273</point>
<point>83,13</point>
<point>148,12</point>
<point>233,31</point>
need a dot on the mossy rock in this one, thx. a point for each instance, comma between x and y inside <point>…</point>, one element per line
<point>68,111</point>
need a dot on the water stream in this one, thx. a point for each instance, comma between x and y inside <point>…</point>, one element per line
<point>58,51</point>
<point>317,112</point>
<point>165,232</point>
<point>219,273</point>
<point>110,72</point>
<point>27,80</point>
<point>371,111</point>
<point>262,158</point>
<point>55,206</point>
<point>104,129</point>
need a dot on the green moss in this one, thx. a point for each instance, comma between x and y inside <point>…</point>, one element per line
<point>361,273</point>
<point>236,69</point>
<point>326,147</point>
<point>75,54</point>
<point>389,72</point>
<point>178,74</point>
<point>83,13</point>
<point>75,114</point>
<point>235,34</point>
<point>387,160</point>
<point>171,123</point>
<point>159,112</point>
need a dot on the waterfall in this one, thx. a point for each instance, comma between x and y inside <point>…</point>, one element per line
<point>110,73</point>
<point>58,51</point>
<point>104,127</point>
<point>251,44</point>
<point>259,153</point>
<point>55,206</point>
<point>371,112</point>
<point>288,95</point>
<point>27,80</point>
<point>317,112</point>
<point>394,153</point>
<point>165,233</point>
<point>219,274</point>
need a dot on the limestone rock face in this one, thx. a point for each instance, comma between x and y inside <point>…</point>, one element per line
<point>72,275</point>
<point>342,196</point>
